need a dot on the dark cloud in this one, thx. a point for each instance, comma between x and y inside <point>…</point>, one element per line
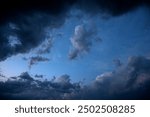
<point>25,88</point>
<point>56,7</point>
<point>24,22</point>
<point>37,59</point>
<point>73,54</point>
<point>38,76</point>
<point>111,7</point>
<point>82,40</point>
<point>28,25</point>
<point>130,81</point>
<point>23,27</point>
<point>25,76</point>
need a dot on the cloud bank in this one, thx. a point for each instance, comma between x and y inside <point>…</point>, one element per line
<point>130,81</point>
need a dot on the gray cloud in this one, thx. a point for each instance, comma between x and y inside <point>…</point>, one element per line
<point>37,59</point>
<point>62,79</point>
<point>38,76</point>
<point>45,47</point>
<point>24,27</point>
<point>26,76</point>
<point>82,40</point>
<point>130,81</point>
<point>27,22</point>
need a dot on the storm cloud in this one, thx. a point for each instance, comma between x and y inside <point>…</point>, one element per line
<point>130,81</point>
<point>23,27</point>
<point>26,21</point>
<point>27,33</point>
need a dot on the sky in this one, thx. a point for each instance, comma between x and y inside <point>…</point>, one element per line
<point>74,49</point>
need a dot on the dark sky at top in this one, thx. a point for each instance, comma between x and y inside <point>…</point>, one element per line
<point>74,49</point>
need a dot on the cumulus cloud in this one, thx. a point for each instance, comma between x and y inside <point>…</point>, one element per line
<point>130,81</point>
<point>27,88</point>
<point>81,40</point>
<point>62,79</point>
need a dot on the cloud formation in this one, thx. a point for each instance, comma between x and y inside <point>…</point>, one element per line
<point>45,47</point>
<point>27,88</point>
<point>26,21</point>
<point>23,27</point>
<point>81,40</point>
<point>29,32</point>
<point>130,81</point>
<point>37,59</point>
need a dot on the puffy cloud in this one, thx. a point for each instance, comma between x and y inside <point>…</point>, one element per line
<point>81,40</point>
<point>29,34</point>
<point>25,87</point>
<point>130,81</point>
<point>62,79</point>
<point>23,28</point>
<point>63,82</point>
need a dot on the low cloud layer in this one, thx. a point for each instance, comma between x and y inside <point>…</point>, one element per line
<point>130,81</point>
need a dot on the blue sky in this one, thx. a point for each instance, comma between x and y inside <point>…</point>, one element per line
<point>121,37</point>
<point>75,49</point>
